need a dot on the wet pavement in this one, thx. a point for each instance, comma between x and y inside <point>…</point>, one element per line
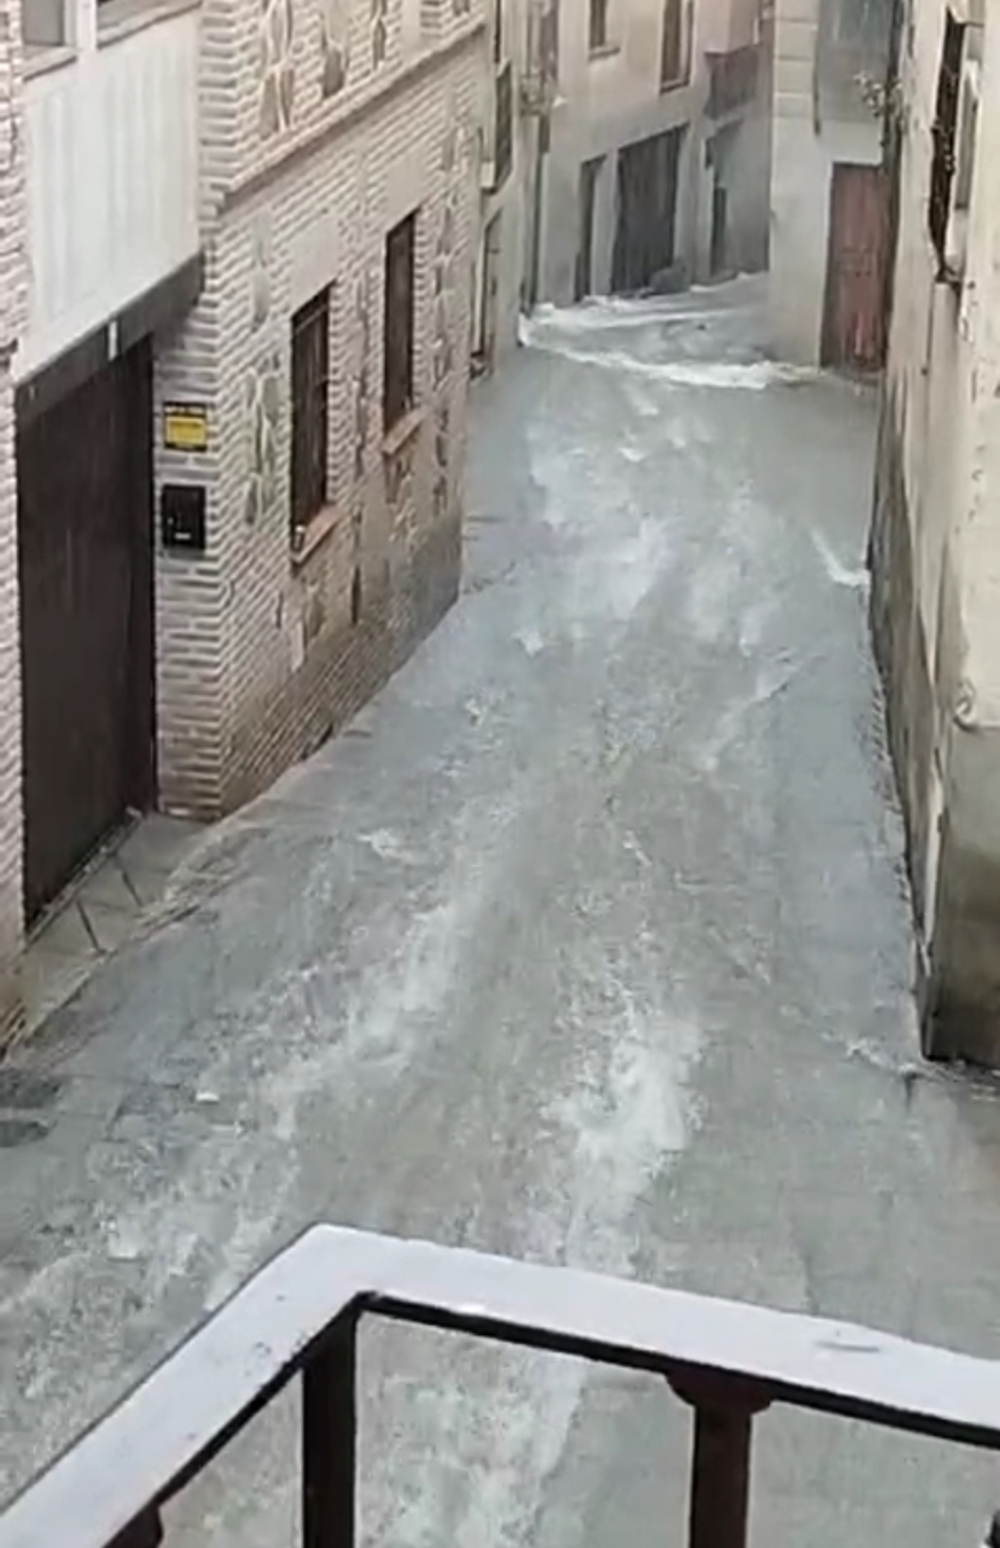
<point>101,909</point>
<point>587,943</point>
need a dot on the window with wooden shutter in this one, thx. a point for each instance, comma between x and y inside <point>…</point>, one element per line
<point>598,31</point>
<point>310,412</point>
<point>400,252</point>
<point>943,135</point>
<point>673,63</point>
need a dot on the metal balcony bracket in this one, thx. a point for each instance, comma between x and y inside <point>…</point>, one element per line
<point>724,1410</point>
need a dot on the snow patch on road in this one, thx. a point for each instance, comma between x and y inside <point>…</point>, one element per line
<point>483,1467</point>
<point>610,313</point>
<point>854,580</point>
<point>624,549</point>
<point>388,845</point>
<point>709,608</point>
<point>752,376</point>
<point>631,1110</point>
<point>531,641</point>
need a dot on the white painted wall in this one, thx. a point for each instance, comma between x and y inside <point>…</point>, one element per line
<point>802,156</point>
<point>944,353</point>
<point>976,521</point>
<point>112,175</point>
<point>606,101</point>
<point>613,98</point>
<point>508,204</point>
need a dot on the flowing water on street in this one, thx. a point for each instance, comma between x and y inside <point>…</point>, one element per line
<point>588,943</point>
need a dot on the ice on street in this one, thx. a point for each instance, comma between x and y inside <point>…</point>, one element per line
<point>588,943</point>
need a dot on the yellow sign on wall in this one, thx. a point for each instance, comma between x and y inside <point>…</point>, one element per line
<point>185,427</point>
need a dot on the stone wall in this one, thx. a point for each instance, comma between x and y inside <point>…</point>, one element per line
<point>12,302</point>
<point>263,651</point>
<point>935,558</point>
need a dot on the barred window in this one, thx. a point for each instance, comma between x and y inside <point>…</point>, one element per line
<point>598,24</point>
<point>945,123</point>
<point>310,412</point>
<point>397,394</point>
<point>673,65</point>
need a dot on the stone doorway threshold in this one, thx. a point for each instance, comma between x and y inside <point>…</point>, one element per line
<point>101,910</point>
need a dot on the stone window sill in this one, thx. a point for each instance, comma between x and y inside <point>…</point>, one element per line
<point>605,51</point>
<point>40,58</point>
<point>676,84</point>
<point>402,431</point>
<point>315,535</point>
<point>117,19</point>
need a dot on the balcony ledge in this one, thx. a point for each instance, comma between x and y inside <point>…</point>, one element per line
<point>117,19</point>
<point>40,58</point>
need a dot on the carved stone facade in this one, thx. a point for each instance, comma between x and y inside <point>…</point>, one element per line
<point>335,46</point>
<point>297,637</point>
<point>305,130</point>
<point>277,66</point>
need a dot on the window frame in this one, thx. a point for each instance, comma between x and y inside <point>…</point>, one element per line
<point>497,40</point>
<point>944,131</point>
<point>398,347</point>
<point>52,37</point>
<point>597,26</point>
<point>309,464</point>
<point>678,37</point>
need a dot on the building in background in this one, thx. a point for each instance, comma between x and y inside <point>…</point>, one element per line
<point>935,546</point>
<point>237,387</point>
<point>829,194</point>
<point>653,157</point>
<point>506,155</point>
<point>733,199</point>
<point>619,170</point>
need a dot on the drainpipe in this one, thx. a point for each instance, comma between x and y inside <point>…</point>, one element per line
<point>892,150</point>
<point>541,150</point>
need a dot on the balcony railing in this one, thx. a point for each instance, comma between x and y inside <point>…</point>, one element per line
<point>732,79</point>
<point>300,1316</point>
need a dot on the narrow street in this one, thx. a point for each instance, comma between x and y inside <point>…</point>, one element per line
<point>587,943</point>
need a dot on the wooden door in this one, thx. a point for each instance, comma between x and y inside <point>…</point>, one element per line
<point>491,288</point>
<point>854,310</point>
<point>647,203</point>
<point>717,251</point>
<point>583,282</point>
<point>85,566</point>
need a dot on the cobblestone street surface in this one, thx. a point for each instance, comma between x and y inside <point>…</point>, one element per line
<point>587,943</point>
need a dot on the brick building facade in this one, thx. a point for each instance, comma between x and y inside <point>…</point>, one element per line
<point>268,639</point>
<point>11,316</point>
<point>234,362</point>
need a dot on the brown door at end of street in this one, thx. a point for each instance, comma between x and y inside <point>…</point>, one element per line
<point>853,315</point>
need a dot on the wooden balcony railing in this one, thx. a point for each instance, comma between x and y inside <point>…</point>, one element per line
<point>300,1315</point>
<point>732,79</point>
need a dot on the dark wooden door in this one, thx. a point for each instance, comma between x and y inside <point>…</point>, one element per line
<point>590,171</point>
<point>647,204</point>
<point>717,254</point>
<point>492,248</point>
<point>854,310</point>
<point>85,560</point>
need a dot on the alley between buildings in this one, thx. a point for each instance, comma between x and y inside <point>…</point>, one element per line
<point>588,942</point>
